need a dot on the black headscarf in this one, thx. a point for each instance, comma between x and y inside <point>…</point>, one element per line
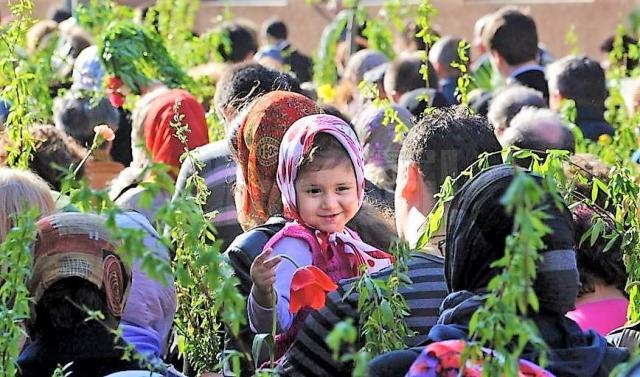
<point>477,226</point>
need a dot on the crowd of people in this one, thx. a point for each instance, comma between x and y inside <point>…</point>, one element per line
<point>303,186</point>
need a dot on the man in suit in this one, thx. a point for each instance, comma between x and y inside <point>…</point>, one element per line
<point>582,80</point>
<point>275,35</point>
<point>512,39</point>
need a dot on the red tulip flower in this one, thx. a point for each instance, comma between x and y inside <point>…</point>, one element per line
<point>309,287</point>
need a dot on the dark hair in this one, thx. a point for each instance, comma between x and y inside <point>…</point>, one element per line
<point>579,78</point>
<point>276,29</point>
<point>417,100</point>
<point>332,110</point>
<point>593,262</point>
<point>63,307</point>
<point>243,42</point>
<point>446,142</point>
<point>325,152</point>
<point>77,117</point>
<point>242,83</point>
<point>627,42</point>
<point>513,35</point>
<point>403,75</point>
<point>410,37</point>
<point>52,154</point>
<point>582,169</point>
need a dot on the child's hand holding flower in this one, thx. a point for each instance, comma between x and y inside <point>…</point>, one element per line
<point>263,276</point>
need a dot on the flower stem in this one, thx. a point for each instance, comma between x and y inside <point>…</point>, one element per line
<point>290,260</point>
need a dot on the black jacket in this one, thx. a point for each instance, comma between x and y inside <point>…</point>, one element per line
<point>241,253</point>
<point>532,79</point>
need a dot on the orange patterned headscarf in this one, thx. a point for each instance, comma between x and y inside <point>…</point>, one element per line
<point>258,143</point>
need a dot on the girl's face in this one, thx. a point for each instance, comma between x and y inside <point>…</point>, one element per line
<point>327,199</point>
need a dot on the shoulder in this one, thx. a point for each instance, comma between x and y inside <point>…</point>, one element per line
<point>252,241</point>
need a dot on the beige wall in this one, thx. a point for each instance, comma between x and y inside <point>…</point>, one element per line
<point>594,20</point>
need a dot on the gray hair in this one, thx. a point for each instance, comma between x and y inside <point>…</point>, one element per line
<point>578,78</point>
<point>538,129</point>
<point>445,52</point>
<point>509,101</point>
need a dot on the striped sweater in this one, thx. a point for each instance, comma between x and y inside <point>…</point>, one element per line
<point>310,356</point>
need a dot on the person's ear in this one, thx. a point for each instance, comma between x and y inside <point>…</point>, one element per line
<point>395,96</point>
<point>411,189</point>
<point>555,100</point>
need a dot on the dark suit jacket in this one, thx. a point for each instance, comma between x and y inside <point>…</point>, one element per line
<point>532,78</point>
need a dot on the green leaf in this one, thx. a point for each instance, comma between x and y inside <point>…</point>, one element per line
<point>259,342</point>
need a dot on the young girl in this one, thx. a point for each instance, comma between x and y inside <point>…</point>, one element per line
<point>321,178</point>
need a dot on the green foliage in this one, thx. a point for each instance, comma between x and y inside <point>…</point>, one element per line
<point>15,259</point>
<point>205,280</point>
<point>324,66</point>
<point>464,81</point>
<point>96,15</point>
<point>341,341</point>
<point>382,307</point>
<point>426,13</point>
<point>19,84</point>
<point>138,56</point>
<point>571,40</point>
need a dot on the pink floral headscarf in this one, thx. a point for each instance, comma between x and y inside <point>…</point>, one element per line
<point>297,142</point>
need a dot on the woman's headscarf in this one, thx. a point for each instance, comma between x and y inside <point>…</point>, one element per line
<point>298,141</point>
<point>160,135</point>
<point>259,135</point>
<point>378,142</point>
<point>79,245</point>
<point>88,73</point>
<point>477,226</point>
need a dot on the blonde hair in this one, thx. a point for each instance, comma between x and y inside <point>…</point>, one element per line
<point>19,188</point>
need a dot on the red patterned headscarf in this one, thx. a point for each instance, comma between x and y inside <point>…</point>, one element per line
<point>160,136</point>
<point>259,136</point>
<point>75,244</point>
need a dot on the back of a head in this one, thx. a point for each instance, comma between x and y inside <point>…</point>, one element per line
<point>578,78</point>
<point>243,43</point>
<point>478,225</point>
<point>77,117</point>
<point>628,41</point>
<point>509,101</point>
<point>75,266</point>
<point>361,62</point>
<point>445,52</point>
<point>513,35</point>
<point>242,83</point>
<point>596,265</point>
<point>53,155</point>
<point>403,75</point>
<point>19,190</point>
<point>446,142</point>
<point>538,129</point>
<point>276,29</point>
<point>417,101</point>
